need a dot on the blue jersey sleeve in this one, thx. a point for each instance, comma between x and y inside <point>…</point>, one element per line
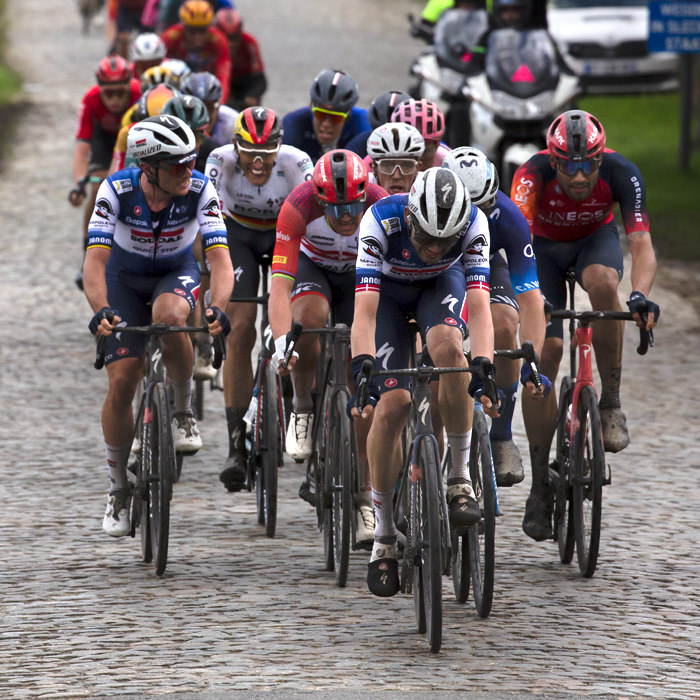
<point>358,144</point>
<point>510,232</point>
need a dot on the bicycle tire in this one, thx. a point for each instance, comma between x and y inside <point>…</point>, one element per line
<point>460,549</point>
<point>427,574</point>
<point>563,503</point>
<point>324,476</point>
<point>139,501</point>
<point>271,440</point>
<point>482,535</point>
<point>159,474</point>
<point>588,471</point>
<point>343,510</point>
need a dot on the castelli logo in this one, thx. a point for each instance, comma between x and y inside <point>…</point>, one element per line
<point>391,382</point>
<point>137,210</point>
<point>181,292</point>
<point>451,321</point>
<point>123,351</point>
<point>406,254</point>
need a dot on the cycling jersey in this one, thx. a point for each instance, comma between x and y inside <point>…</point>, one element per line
<point>213,58</point>
<point>299,131</point>
<point>509,232</point>
<point>224,126</point>
<point>123,223</point>
<point>249,205</point>
<point>552,214</point>
<point>92,112</point>
<point>386,249</point>
<point>301,224</point>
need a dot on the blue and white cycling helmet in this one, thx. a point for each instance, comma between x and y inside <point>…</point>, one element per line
<point>476,172</point>
<point>162,139</point>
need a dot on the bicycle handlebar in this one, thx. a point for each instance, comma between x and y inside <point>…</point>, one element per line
<point>527,353</point>
<point>292,340</point>
<point>646,338</point>
<point>251,300</point>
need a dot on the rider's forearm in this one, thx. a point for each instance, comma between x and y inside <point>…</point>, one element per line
<point>81,156</point>
<point>643,262</point>
<point>480,323</point>
<point>94,281</point>
<point>364,324</point>
<point>279,309</point>
<point>532,319</point>
<point>221,277</point>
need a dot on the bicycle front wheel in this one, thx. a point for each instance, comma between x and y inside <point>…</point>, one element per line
<point>482,535</point>
<point>588,473</point>
<point>272,448</point>
<point>563,504</point>
<point>427,544</point>
<point>159,465</point>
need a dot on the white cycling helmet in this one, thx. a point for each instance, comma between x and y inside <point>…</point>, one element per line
<point>476,172</point>
<point>438,203</point>
<point>147,47</point>
<point>395,140</point>
<point>162,139</point>
<point>178,68</point>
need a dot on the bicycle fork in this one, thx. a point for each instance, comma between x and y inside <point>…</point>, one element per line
<point>479,407</point>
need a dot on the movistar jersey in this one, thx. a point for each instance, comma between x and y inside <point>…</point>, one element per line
<point>385,249</point>
<point>154,243</point>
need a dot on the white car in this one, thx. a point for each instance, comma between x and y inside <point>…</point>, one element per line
<point>605,44</point>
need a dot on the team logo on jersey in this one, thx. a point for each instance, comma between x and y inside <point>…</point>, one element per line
<point>477,245</point>
<point>123,351</point>
<point>391,382</point>
<point>123,186</point>
<point>372,248</point>
<point>103,209</point>
<point>211,208</point>
<point>450,322</point>
<point>181,292</point>
<point>392,225</point>
<point>406,254</point>
<point>137,210</point>
<point>196,185</point>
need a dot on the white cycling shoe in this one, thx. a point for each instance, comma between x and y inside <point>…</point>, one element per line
<point>364,534</point>
<point>186,433</point>
<point>203,368</point>
<point>298,442</point>
<point>116,520</point>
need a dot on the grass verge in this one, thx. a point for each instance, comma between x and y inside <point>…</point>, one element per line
<point>646,130</point>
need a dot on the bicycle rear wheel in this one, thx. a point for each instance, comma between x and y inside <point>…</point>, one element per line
<point>427,544</point>
<point>272,448</point>
<point>588,471</point>
<point>563,504</point>
<point>482,535</point>
<point>340,451</point>
<point>159,464</point>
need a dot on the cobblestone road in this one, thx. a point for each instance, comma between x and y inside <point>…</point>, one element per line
<point>82,617</point>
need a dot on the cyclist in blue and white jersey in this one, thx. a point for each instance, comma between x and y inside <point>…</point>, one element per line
<point>423,254</point>
<point>515,298</point>
<point>139,253</point>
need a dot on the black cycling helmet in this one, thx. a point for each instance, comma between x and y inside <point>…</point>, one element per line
<point>203,85</point>
<point>334,90</point>
<point>525,7</point>
<point>190,109</point>
<point>383,107</point>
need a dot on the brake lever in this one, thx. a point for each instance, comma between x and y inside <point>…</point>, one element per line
<point>292,340</point>
<point>102,345</point>
<point>530,357</point>
<point>363,386</point>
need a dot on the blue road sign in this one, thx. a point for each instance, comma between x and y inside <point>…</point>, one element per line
<point>674,26</point>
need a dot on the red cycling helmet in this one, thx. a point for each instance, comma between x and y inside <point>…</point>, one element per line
<point>576,135</point>
<point>228,21</point>
<point>341,178</point>
<point>114,69</point>
<point>422,114</point>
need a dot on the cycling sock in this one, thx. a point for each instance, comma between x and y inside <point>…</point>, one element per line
<point>236,430</point>
<point>501,426</point>
<point>182,395</point>
<point>539,458</point>
<point>303,383</point>
<point>383,504</point>
<point>117,459</point>
<point>610,392</point>
<point>460,444</point>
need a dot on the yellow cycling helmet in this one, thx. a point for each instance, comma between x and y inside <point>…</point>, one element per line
<point>158,75</point>
<point>196,13</point>
<point>151,103</point>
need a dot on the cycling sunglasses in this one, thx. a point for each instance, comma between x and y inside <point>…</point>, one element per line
<point>387,166</point>
<point>262,153</point>
<point>571,167</point>
<point>110,93</point>
<point>335,117</point>
<point>336,211</point>
<point>421,239</point>
<point>177,169</point>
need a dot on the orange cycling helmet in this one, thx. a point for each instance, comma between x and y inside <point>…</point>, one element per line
<point>228,21</point>
<point>113,69</point>
<point>576,135</point>
<point>151,103</point>
<point>258,125</point>
<point>196,13</point>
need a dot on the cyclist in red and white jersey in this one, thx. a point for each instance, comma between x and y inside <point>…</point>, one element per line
<point>567,194</point>
<point>253,177</point>
<point>313,270</point>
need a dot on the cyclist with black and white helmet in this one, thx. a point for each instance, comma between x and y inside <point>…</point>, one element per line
<point>379,113</point>
<point>423,254</point>
<point>179,69</point>
<point>146,51</point>
<point>331,120</point>
<point>140,266</point>
<point>515,298</point>
<point>222,119</point>
<point>395,151</point>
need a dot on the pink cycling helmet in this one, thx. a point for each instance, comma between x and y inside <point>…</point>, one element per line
<point>424,115</point>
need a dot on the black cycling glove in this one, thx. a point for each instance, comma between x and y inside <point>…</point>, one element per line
<point>373,388</point>
<point>476,385</point>
<point>104,312</point>
<point>639,304</point>
<point>222,318</point>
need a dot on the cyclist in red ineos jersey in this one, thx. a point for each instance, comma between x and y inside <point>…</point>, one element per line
<point>567,195</point>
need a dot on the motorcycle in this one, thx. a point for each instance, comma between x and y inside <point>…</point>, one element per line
<point>517,97</point>
<point>443,68</point>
